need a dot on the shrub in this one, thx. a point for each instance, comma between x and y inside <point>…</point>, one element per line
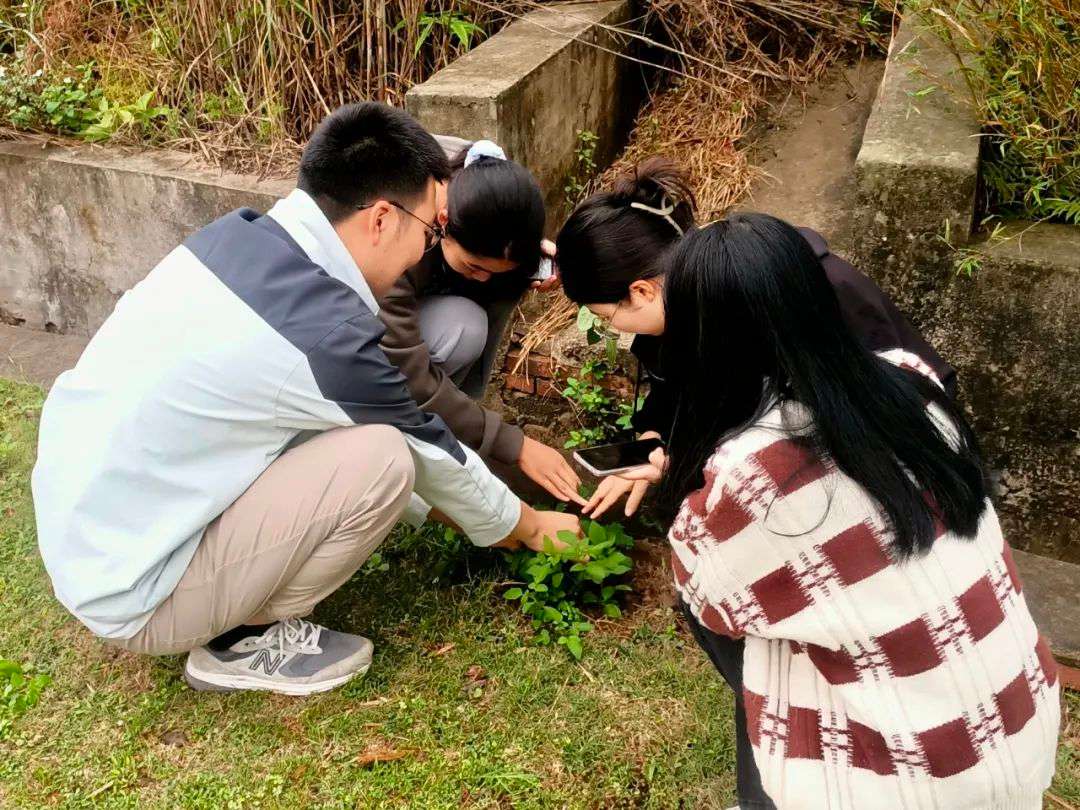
<point>558,586</point>
<point>1021,65</point>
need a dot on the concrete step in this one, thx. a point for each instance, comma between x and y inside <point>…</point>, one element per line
<point>28,355</point>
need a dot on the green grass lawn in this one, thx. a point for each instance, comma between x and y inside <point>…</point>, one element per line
<point>458,709</point>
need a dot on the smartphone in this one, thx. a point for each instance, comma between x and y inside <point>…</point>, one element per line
<point>544,270</point>
<point>611,459</point>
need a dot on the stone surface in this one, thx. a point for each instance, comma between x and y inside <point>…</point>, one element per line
<point>81,225</point>
<point>28,355</point>
<point>918,166</point>
<point>1050,589</point>
<point>534,85</point>
<point>1011,331</point>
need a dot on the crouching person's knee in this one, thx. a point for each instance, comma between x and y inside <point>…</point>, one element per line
<point>387,451</point>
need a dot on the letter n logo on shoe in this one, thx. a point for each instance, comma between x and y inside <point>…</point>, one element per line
<point>268,662</point>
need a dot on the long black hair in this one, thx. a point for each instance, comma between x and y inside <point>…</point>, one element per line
<point>496,210</point>
<point>748,297</point>
<point>608,243</point>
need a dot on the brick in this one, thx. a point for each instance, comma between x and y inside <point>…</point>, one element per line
<point>537,365</point>
<point>549,388</point>
<point>516,382</point>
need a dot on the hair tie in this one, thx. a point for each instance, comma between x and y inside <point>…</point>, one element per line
<point>482,149</point>
<point>667,209</point>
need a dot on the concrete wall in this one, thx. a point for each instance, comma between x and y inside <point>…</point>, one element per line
<point>534,85</point>
<point>81,225</point>
<point>1010,328</point>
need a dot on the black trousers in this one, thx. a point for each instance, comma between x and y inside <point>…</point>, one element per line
<point>727,656</point>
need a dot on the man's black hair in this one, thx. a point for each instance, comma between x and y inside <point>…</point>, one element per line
<point>368,151</point>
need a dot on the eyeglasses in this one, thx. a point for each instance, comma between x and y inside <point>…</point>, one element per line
<point>433,231</point>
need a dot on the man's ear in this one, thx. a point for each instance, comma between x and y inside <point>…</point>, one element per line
<point>378,223</point>
<point>443,216</point>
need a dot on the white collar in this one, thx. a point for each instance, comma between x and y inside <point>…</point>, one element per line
<point>305,222</point>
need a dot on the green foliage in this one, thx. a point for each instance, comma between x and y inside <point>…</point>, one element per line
<point>20,690</point>
<point>72,105</point>
<point>558,586</point>
<point>1021,65</point>
<point>600,415</point>
<point>460,28</point>
<point>577,181</point>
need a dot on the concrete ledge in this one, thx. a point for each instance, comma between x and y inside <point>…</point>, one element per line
<point>533,85</point>
<point>1050,589</point>
<point>919,160</point>
<point>81,225</point>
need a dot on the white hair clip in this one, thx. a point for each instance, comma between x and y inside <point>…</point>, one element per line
<point>665,212</point>
<point>484,149</point>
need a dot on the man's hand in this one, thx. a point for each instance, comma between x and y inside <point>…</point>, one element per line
<point>611,489</point>
<point>547,467</point>
<point>534,526</point>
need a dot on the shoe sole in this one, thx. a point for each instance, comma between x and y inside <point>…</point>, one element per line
<point>206,682</point>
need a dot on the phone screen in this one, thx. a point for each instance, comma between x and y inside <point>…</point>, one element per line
<point>605,457</point>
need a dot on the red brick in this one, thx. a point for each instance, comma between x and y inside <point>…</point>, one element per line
<point>549,388</point>
<point>537,365</point>
<point>515,382</point>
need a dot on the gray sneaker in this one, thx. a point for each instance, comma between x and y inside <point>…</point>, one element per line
<point>292,657</point>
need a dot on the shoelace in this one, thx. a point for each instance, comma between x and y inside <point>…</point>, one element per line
<point>298,635</point>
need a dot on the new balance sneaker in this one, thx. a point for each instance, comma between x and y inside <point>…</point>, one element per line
<point>291,657</point>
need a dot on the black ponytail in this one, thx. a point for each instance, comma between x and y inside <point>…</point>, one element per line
<point>608,242</point>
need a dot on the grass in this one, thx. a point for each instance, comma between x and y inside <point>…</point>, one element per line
<point>459,709</point>
<point>491,721</point>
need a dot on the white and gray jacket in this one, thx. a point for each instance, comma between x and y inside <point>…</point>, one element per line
<point>254,330</point>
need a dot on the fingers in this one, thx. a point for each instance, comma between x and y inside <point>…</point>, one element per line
<point>601,491</point>
<point>646,472</point>
<point>555,487</point>
<point>570,479</point>
<point>607,501</point>
<point>637,493</point>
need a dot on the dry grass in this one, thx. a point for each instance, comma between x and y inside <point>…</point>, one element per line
<point>248,79</point>
<point>741,53</point>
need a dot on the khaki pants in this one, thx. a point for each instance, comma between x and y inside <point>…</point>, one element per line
<point>294,537</point>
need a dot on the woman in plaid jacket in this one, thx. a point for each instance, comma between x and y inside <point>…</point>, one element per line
<point>829,506</point>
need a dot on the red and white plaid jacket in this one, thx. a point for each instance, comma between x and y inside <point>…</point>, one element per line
<point>869,683</point>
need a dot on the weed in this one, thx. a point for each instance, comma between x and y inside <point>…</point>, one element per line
<point>20,690</point>
<point>581,175</point>
<point>558,585</point>
<point>461,29</point>
<point>600,415</point>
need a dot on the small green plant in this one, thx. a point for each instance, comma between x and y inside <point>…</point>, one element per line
<point>461,29</point>
<point>73,105</point>
<point>558,585</point>
<point>20,691</point>
<point>599,414</point>
<point>577,181</point>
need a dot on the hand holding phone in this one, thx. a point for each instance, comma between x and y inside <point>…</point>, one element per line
<point>615,459</point>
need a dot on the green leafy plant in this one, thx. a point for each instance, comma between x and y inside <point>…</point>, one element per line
<point>20,690</point>
<point>73,105</point>
<point>460,28</point>
<point>584,168</point>
<point>558,586</point>
<point>601,416</point>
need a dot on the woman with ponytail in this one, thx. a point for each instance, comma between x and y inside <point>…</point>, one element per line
<point>828,506</point>
<point>611,255</point>
<point>445,317</point>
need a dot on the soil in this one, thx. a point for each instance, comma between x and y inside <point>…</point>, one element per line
<point>808,152</point>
